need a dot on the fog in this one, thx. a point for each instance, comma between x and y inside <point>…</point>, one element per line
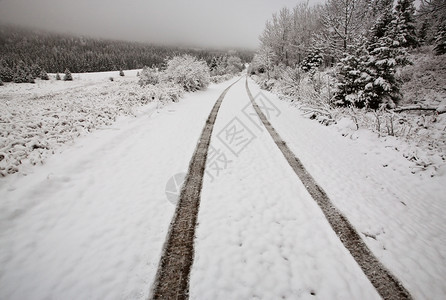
<point>201,23</point>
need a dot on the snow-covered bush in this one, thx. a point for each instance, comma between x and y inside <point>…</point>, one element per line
<point>121,73</point>
<point>221,78</point>
<point>418,136</point>
<point>149,76</point>
<point>188,72</point>
<point>164,92</point>
<point>67,76</point>
<point>234,65</point>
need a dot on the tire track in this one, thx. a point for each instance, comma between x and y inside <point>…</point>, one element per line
<point>172,277</point>
<point>386,284</point>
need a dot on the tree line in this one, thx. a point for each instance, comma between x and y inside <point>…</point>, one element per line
<point>31,52</point>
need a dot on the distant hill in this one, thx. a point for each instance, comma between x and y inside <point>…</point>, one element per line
<point>56,52</point>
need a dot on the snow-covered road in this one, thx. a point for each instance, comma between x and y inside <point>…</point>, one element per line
<point>260,234</point>
<point>91,222</point>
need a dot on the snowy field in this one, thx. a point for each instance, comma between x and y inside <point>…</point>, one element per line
<point>90,220</point>
<point>35,119</point>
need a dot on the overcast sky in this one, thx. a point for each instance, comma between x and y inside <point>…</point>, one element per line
<point>209,23</point>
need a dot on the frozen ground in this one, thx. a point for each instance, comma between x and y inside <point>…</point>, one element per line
<point>91,221</point>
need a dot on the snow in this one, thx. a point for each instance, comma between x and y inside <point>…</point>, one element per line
<point>441,109</point>
<point>374,186</point>
<point>91,221</point>
<point>260,234</point>
<point>35,119</point>
<point>382,83</point>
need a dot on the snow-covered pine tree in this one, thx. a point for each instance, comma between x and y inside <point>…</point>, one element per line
<point>21,73</point>
<point>222,65</point>
<point>405,23</point>
<point>213,64</point>
<point>440,41</point>
<point>384,18</point>
<point>43,75</point>
<point>423,31</point>
<point>35,70</point>
<point>67,76</point>
<point>381,84</point>
<point>313,60</point>
<point>386,50</point>
<point>352,77</point>
<point>57,76</point>
<point>6,73</point>
<point>395,37</point>
<point>30,78</point>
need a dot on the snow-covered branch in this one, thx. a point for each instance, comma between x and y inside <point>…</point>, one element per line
<point>440,109</point>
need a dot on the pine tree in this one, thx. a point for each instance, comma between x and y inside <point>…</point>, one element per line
<point>1,82</point>
<point>440,41</point>
<point>21,73</point>
<point>383,21</point>
<point>35,70</point>
<point>405,23</point>
<point>352,77</point>
<point>57,76</point>
<point>367,78</point>
<point>313,60</point>
<point>431,17</point>
<point>30,78</point>
<point>381,84</point>
<point>213,64</point>
<point>43,75</point>
<point>67,76</point>
<point>6,73</point>
<point>423,32</point>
